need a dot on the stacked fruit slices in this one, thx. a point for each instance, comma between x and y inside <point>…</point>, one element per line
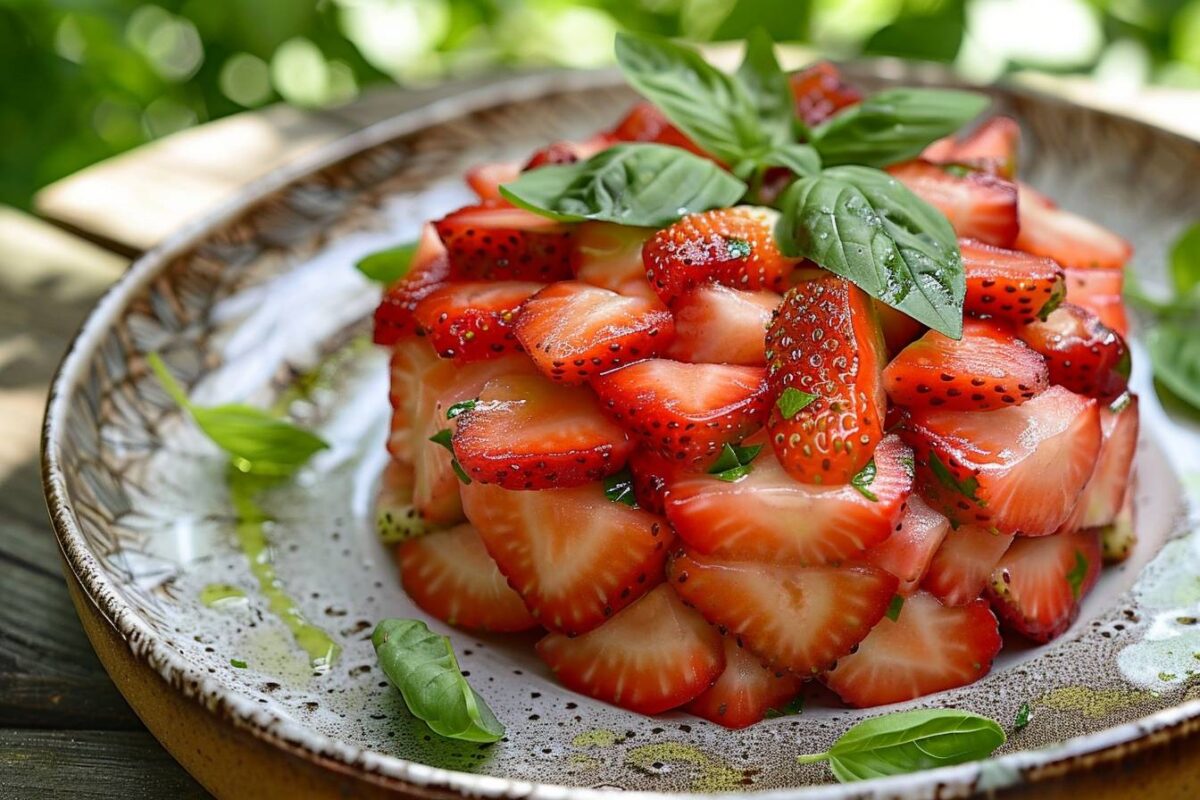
<point>712,473</point>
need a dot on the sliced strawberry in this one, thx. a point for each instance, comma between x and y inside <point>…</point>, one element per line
<point>653,656</point>
<point>928,648</point>
<point>820,92</point>
<point>499,242</point>
<point>429,269</point>
<point>988,368</point>
<point>768,516</point>
<point>1100,291</point>
<point>978,205</point>
<point>485,179</point>
<point>567,152</point>
<point>574,331</point>
<point>645,123</point>
<point>653,476</point>
<point>1038,584</point>
<point>610,256</point>
<point>396,520</point>
<point>802,619</point>
<point>1117,539</point>
<point>908,552</point>
<point>1019,469</point>
<point>1083,354</point>
<point>745,692</point>
<point>412,358</point>
<point>899,329</point>
<point>1102,500</point>
<point>831,438</point>
<point>734,247</point>
<point>992,146</point>
<point>1069,239</point>
<point>718,325</point>
<point>525,432</point>
<point>1009,285</point>
<point>962,565</point>
<point>451,576</point>
<point>575,556</point>
<point>685,412</point>
<point>473,321</point>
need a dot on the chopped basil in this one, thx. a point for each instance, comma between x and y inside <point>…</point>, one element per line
<point>864,478</point>
<point>734,462</point>
<point>618,487</point>
<point>388,266</point>
<point>893,609</point>
<point>792,401</point>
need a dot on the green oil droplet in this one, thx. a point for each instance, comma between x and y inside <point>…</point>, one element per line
<point>222,595</point>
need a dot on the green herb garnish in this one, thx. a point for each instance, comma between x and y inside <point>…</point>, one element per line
<point>458,408</point>
<point>734,462</point>
<point>388,266</point>
<point>894,607</point>
<point>1078,574</point>
<point>1023,715</point>
<point>237,662</point>
<point>792,401</point>
<point>618,487</point>
<point>443,437</point>
<point>864,478</point>
<point>967,488</point>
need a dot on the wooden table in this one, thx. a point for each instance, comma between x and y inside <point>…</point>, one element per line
<point>64,729</point>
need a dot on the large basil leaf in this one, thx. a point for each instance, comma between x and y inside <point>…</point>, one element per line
<point>767,85</point>
<point>866,226</point>
<point>1175,353</point>
<point>894,125</point>
<point>650,185</point>
<point>421,664</point>
<point>388,266</point>
<point>1185,260</point>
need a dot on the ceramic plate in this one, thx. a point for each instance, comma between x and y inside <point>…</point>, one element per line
<point>262,304</point>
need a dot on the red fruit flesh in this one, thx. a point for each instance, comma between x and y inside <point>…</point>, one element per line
<point>1082,353</point>
<point>485,179</point>
<point>1038,584</point>
<point>450,575</point>
<point>430,268</point>
<point>1102,500</point>
<point>645,123</point>
<point>411,360</point>
<point>653,476</point>
<point>575,556</point>
<point>745,691</point>
<point>978,205</point>
<point>499,242</point>
<point>653,656</point>
<point>986,369</point>
<point>992,146</point>
<point>829,440</point>
<point>610,256</point>
<point>1100,291</point>
<point>768,516</point>
<point>964,562</point>
<point>528,433</point>
<point>802,619</point>
<point>820,92</point>
<point>908,552</point>
<point>718,325</point>
<point>473,321</point>
<point>1069,239</point>
<point>928,648</point>
<point>1008,285</point>
<point>685,412</point>
<point>899,329</point>
<point>574,331</point>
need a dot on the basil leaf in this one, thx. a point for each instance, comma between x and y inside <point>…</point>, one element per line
<point>966,488</point>
<point>866,226</point>
<point>388,266</point>
<point>909,741</point>
<point>894,608</point>
<point>864,478</point>
<point>894,125</point>
<point>1175,353</point>
<point>768,88</point>
<point>649,185</point>
<point>421,664</point>
<point>734,462</point>
<point>1185,260</point>
<point>791,708</point>
<point>444,438</point>
<point>1078,574</point>
<point>801,159</point>
<point>618,487</point>
<point>792,401</point>
<point>466,405</point>
<point>1023,715</point>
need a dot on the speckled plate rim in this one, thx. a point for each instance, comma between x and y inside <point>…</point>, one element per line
<point>1029,766</point>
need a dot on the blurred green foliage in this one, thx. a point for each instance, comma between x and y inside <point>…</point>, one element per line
<point>86,79</point>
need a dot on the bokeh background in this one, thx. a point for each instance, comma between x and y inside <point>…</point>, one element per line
<point>86,79</point>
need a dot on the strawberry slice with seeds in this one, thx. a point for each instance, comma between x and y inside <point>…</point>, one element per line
<point>718,325</point>
<point>573,555</point>
<point>1117,539</point>
<point>485,179</point>
<point>734,247</point>
<point>1105,495</point>
<point>429,269</point>
<point>574,331</point>
<point>411,359</point>
<point>567,152</point>
<point>1069,239</point>
<point>645,123</point>
<point>829,401</point>
<point>525,432</point>
<point>396,520</point>
<point>745,691</point>
<point>993,147</point>
<point>988,368</point>
<point>802,619</point>
<point>978,205</point>
<point>964,562</point>
<point>1038,584</point>
<point>653,476</point>
<point>927,648</point>
<point>499,242</point>
<point>685,412</point>
<point>1100,291</point>
<point>899,329</point>
<point>820,92</point>
<point>610,256</point>
<point>908,552</point>
<point>473,321</point>
<point>1082,353</point>
<point>451,576</point>
<point>1008,285</point>
<point>653,656</point>
<point>768,516</point>
<point>1018,469</point>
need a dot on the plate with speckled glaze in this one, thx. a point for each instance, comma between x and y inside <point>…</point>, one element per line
<point>261,303</point>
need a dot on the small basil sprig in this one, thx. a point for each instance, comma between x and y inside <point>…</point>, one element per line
<point>863,480</point>
<point>257,442</point>
<point>909,741</point>
<point>421,664</point>
<point>618,488</point>
<point>388,266</point>
<point>734,462</point>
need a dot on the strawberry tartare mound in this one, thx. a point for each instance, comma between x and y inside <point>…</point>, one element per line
<point>710,460</point>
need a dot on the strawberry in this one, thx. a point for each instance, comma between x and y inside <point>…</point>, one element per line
<point>575,556</point>
<point>831,438</point>
<point>1038,584</point>
<point>653,656</point>
<point>992,146</point>
<point>412,359</point>
<point>802,619</point>
<point>718,325</point>
<point>1118,538</point>
<point>610,256</point>
<point>1102,500</point>
<point>1082,353</point>
<point>1009,285</point>
<point>899,329</point>
<point>734,247</point>
<point>395,517</point>
<point>1069,239</point>
<point>485,179</point>
<point>1100,291</point>
<point>653,476</point>
<point>450,575</point>
<point>964,562</point>
<point>473,321</point>
<point>525,432</point>
<point>908,552</point>
<point>574,331</point>
<point>986,369</point>
<point>567,152</point>
<point>1018,469</point>
<point>978,205</point>
<point>645,123</point>
<point>927,648</point>
<point>768,516</point>
<point>499,242</point>
<point>820,92</point>
<point>685,412</point>
<point>745,691</point>
<point>429,269</point>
